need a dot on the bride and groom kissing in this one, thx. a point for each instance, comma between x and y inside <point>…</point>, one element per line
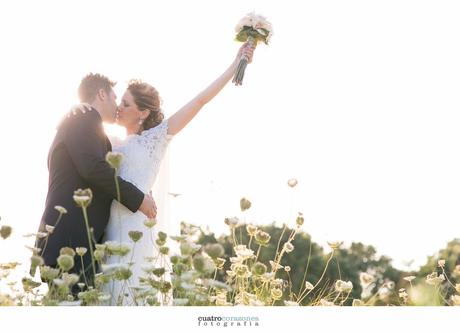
<point>77,160</point>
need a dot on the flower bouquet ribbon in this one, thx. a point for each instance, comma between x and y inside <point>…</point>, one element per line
<point>252,29</point>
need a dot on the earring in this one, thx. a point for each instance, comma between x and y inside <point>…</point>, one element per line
<point>140,121</point>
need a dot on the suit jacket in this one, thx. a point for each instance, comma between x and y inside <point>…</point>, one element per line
<point>77,160</point>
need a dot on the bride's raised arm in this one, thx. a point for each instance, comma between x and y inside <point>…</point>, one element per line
<point>181,118</point>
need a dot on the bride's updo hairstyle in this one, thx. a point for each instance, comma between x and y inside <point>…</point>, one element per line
<point>146,98</point>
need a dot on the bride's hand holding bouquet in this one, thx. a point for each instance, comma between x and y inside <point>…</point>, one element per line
<point>251,30</point>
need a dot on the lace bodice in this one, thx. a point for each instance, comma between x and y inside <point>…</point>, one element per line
<point>142,155</point>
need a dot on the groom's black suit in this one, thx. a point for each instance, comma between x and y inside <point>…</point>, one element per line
<point>77,160</point>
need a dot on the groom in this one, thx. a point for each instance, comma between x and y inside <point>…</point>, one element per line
<point>76,160</point>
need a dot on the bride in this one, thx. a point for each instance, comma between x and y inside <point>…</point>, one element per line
<point>148,135</point>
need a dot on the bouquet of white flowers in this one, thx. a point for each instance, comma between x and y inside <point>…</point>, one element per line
<point>253,29</point>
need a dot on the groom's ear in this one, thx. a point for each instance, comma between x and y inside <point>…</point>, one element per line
<point>102,94</point>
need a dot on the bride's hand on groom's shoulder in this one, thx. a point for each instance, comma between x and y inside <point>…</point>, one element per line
<point>79,108</point>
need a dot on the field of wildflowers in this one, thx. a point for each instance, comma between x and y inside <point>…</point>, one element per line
<point>246,267</point>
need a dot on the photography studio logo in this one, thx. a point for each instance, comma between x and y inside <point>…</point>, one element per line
<point>228,321</point>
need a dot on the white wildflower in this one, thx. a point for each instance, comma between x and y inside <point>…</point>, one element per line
<point>114,159</point>
<point>232,222</point>
<point>308,285</point>
<point>251,230</point>
<point>49,228</point>
<point>69,303</point>
<point>35,250</point>
<point>110,268</point>
<point>390,284</point>
<point>357,302</point>
<point>365,279</point>
<point>275,266</point>
<point>83,197</point>
<point>343,286</point>
<point>243,252</point>
<point>324,302</point>
<point>409,278</point>
<point>334,245</point>
<point>455,299</point>
<point>104,297</point>
<point>61,209</point>
<point>276,293</point>
<point>256,302</point>
<point>433,279</point>
<point>384,293</point>
<point>81,251</point>
<point>292,182</point>
<point>180,301</point>
<point>231,273</point>
<point>456,271</point>
<point>150,223</point>
<point>115,248</point>
<point>288,247</point>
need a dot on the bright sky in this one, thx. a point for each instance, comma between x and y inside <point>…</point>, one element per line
<point>358,100</point>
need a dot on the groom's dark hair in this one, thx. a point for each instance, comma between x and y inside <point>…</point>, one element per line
<point>90,86</point>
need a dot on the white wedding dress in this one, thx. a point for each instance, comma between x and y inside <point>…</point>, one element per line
<point>142,162</point>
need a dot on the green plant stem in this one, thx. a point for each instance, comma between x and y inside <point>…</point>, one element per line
<point>306,268</point>
<point>85,215</point>
<point>322,275</point>
<point>83,270</point>
<point>279,242</point>
<point>55,225</point>
<point>117,185</point>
